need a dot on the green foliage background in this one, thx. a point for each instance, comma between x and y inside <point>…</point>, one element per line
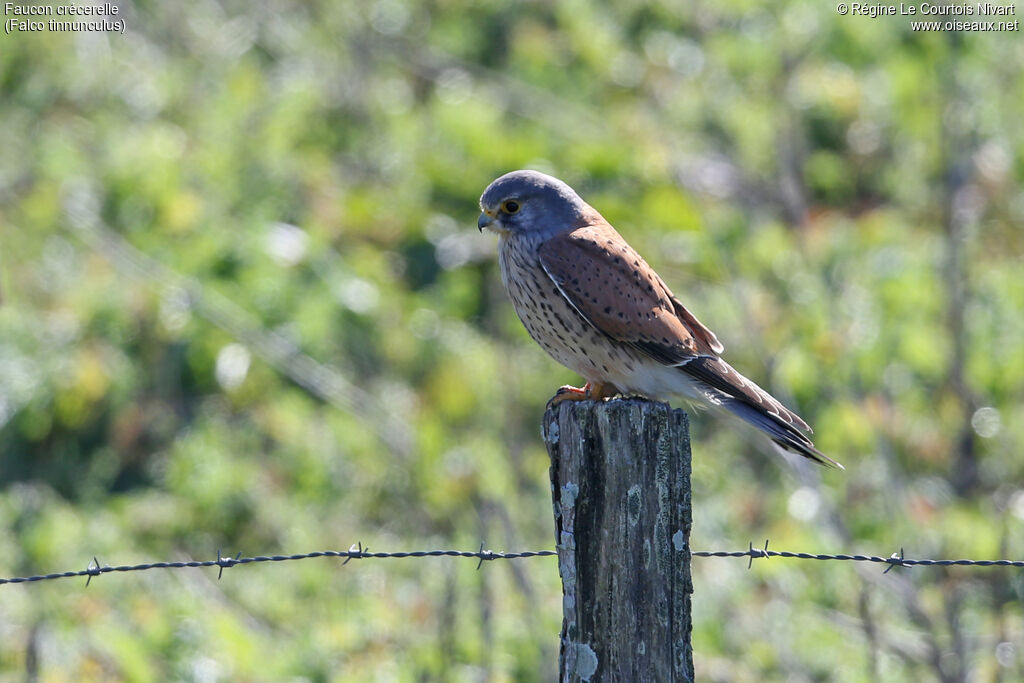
<point>246,308</point>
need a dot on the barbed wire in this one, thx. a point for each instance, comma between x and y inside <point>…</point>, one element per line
<point>358,552</point>
<point>894,560</point>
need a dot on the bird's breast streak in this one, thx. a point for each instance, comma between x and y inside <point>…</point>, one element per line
<point>553,323</point>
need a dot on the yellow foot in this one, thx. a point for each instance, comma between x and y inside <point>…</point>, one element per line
<point>590,391</point>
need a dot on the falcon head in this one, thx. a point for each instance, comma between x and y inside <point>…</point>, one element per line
<point>530,202</point>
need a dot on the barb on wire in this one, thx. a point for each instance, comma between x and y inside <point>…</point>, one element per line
<point>894,560</point>
<point>356,552</point>
<point>360,552</point>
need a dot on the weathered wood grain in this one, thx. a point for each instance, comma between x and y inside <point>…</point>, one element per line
<point>620,484</point>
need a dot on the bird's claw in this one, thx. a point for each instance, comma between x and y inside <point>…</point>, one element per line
<point>569,393</point>
<point>589,391</point>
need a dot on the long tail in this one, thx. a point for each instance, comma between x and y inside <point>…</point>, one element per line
<point>723,386</point>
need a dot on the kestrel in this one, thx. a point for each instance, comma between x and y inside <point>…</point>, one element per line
<point>592,302</point>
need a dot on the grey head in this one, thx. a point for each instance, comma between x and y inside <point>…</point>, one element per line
<point>532,204</point>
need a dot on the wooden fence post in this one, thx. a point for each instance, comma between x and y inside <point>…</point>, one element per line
<point>620,485</point>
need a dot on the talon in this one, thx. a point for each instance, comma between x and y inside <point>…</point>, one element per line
<point>569,393</point>
<point>589,391</point>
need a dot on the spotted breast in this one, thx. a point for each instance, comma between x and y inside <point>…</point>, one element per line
<point>552,321</point>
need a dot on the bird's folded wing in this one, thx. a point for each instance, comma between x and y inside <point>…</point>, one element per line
<point>698,329</point>
<point>614,289</point>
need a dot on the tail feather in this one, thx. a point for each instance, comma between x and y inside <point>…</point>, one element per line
<point>781,434</point>
<point>723,386</point>
<point>809,451</point>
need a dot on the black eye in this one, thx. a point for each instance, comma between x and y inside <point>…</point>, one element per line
<point>511,206</point>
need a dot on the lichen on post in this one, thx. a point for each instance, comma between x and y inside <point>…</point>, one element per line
<point>620,486</point>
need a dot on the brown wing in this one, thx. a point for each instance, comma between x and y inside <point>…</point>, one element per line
<point>611,286</point>
<point>621,295</point>
<point>697,327</point>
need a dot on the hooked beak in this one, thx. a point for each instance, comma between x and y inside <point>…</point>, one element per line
<point>485,221</point>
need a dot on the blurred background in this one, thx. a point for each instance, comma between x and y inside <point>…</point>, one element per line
<point>246,308</point>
